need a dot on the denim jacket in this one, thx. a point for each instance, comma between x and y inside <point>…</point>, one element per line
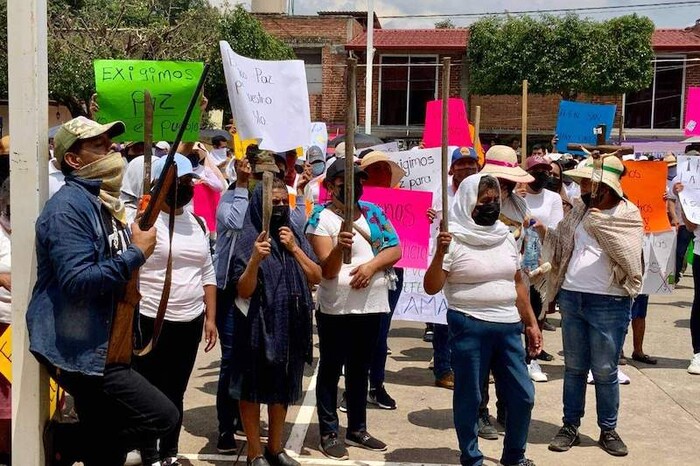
<point>79,282</point>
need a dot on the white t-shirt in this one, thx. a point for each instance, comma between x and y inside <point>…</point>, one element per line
<point>5,267</point>
<point>590,269</point>
<point>573,191</point>
<point>56,178</point>
<point>480,280</point>
<point>192,270</point>
<point>335,296</point>
<point>546,206</point>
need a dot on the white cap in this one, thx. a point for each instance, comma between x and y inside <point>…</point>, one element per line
<point>163,145</point>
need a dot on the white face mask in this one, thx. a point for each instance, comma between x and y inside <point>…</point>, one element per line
<point>219,155</point>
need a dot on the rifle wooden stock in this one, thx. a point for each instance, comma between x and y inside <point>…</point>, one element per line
<point>121,343</point>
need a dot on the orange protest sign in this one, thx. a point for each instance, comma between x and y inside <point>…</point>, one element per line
<point>645,185</point>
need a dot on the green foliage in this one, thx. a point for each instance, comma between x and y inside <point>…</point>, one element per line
<point>562,55</point>
<point>445,24</point>
<point>81,31</point>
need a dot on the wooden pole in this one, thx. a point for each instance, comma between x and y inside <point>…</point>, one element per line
<point>445,162</point>
<point>147,140</point>
<point>351,89</point>
<point>267,202</point>
<point>523,145</point>
<point>477,126</point>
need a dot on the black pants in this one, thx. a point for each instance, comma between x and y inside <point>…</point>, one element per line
<point>168,367</point>
<point>344,340</point>
<point>118,412</point>
<point>695,312</point>
<point>684,237</point>
<point>226,407</point>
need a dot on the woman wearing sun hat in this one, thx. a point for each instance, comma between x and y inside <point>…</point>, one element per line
<point>596,257</point>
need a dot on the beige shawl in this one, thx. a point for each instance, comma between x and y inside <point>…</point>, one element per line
<point>620,235</point>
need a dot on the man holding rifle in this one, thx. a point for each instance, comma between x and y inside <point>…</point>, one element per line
<point>85,257</point>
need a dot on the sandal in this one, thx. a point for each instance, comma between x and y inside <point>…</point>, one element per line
<point>645,358</point>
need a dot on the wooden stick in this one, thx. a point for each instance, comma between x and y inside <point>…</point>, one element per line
<point>477,126</point>
<point>445,162</point>
<point>350,114</point>
<point>147,140</point>
<point>523,144</point>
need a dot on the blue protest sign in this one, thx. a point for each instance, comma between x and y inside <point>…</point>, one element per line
<point>576,122</point>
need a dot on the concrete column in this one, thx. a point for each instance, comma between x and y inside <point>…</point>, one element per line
<point>28,92</point>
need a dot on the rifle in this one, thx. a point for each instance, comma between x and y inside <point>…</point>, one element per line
<point>121,342</point>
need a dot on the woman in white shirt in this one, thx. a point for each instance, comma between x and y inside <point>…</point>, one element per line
<point>191,305</point>
<point>478,266</point>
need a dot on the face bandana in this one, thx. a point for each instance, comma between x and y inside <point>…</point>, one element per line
<point>219,155</point>
<point>110,170</point>
<point>185,193</point>
<point>279,219</point>
<point>486,214</point>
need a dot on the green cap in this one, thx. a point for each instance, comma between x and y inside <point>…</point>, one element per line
<point>82,128</point>
<point>265,162</point>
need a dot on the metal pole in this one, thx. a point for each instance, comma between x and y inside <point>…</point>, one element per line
<point>523,148</point>
<point>369,77</point>
<point>28,92</point>
<point>445,121</point>
<point>350,115</point>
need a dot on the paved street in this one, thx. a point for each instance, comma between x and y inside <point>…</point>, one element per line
<point>659,419</point>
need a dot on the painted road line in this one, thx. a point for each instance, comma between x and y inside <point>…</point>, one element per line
<point>301,424</point>
<point>310,461</point>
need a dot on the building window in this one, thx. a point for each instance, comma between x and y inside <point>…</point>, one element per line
<point>314,68</point>
<point>661,105</point>
<point>406,84</point>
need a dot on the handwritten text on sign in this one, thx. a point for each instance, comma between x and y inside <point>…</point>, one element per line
<point>415,305</point>
<point>689,175</point>
<point>423,168</point>
<point>120,94</point>
<point>659,251</point>
<point>269,100</point>
<point>692,112</point>
<point>576,122</point>
<point>645,185</point>
<point>457,124</point>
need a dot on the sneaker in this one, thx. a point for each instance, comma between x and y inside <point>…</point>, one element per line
<point>446,381</point>
<point>364,440</point>
<point>566,438</point>
<point>548,326</point>
<point>388,351</point>
<point>694,367</point>
<point>280,459</point>
<point>172,461</point>
<point>622,378</point>
<point>612,443</point>
<point>226,443</point>
<point>535,372</point>
<point>343,406</point>
<point>545,356</point>
<point>333,447</point>
<point>428,335</point>
<point>379,397</point>
<point>486,430</point>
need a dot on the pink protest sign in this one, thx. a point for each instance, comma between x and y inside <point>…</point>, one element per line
<point>407,212</point>
<point>205,202</point>
<point>457,125</point>
<point>692,112</point>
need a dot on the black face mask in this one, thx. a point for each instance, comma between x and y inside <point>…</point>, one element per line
<point>486,214</point>
<point>359,189</point>
<point>185,193</point>
<point>279,219</point>
<point>586,198</point>
<point>553,184</point>
<point>540,182</point>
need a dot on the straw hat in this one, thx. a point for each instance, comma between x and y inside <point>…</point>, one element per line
<point>502,162</point>
<point>377,156</point>
<point>670,160</point>
<point>612,172</point>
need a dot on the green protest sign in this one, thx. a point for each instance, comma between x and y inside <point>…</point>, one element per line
<point>120,94</point>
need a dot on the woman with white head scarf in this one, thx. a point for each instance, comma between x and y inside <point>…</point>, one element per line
<point>478,265</point>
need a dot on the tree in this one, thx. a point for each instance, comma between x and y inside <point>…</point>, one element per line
<point>445,24</point>
<point>81,31</point>
<point>561,55</point>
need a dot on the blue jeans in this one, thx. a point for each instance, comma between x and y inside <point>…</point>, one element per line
<point>478,346</point>
<point>441,351</point>
<point>226,407</point>
<point>593,330</point>
<point>377,369</point>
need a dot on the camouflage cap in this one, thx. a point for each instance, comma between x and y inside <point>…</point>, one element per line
<point>82,128</point>
<point>265,162</point>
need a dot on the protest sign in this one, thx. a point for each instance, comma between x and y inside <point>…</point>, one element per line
<point>406,211</point>
<point>416,305</point>
<point>319,140</point>
<point>120,88</point>
<point>422,167</point>
<point>645,185</point>
<point>659,251</point>
<point>269,100</point>
<point>692,112</point>
<point>689,175</point>
<point>457,126</point>
<point>388,147</point>
<point>576,122</point>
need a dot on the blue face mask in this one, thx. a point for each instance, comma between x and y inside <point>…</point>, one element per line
<point>672,172</point>
<point>317,168</point>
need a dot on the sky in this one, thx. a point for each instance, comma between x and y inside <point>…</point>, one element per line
<point>671,17</point>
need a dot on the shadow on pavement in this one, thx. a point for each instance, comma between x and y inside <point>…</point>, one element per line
<point>414,354</point>
<point>201,422</point>
<point>439,419</point>
<point>682,323</point>
<point>664,363</point>
<point>425,455</point>
<point>407,332</point>
<point>411,376</point>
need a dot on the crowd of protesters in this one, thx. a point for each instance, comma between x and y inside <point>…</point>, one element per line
<point>523,243</point>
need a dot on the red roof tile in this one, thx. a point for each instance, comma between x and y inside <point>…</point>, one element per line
<point>675,39</point>
<point>414,39</point>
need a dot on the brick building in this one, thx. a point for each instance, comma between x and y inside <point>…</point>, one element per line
<point>407,74</point>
